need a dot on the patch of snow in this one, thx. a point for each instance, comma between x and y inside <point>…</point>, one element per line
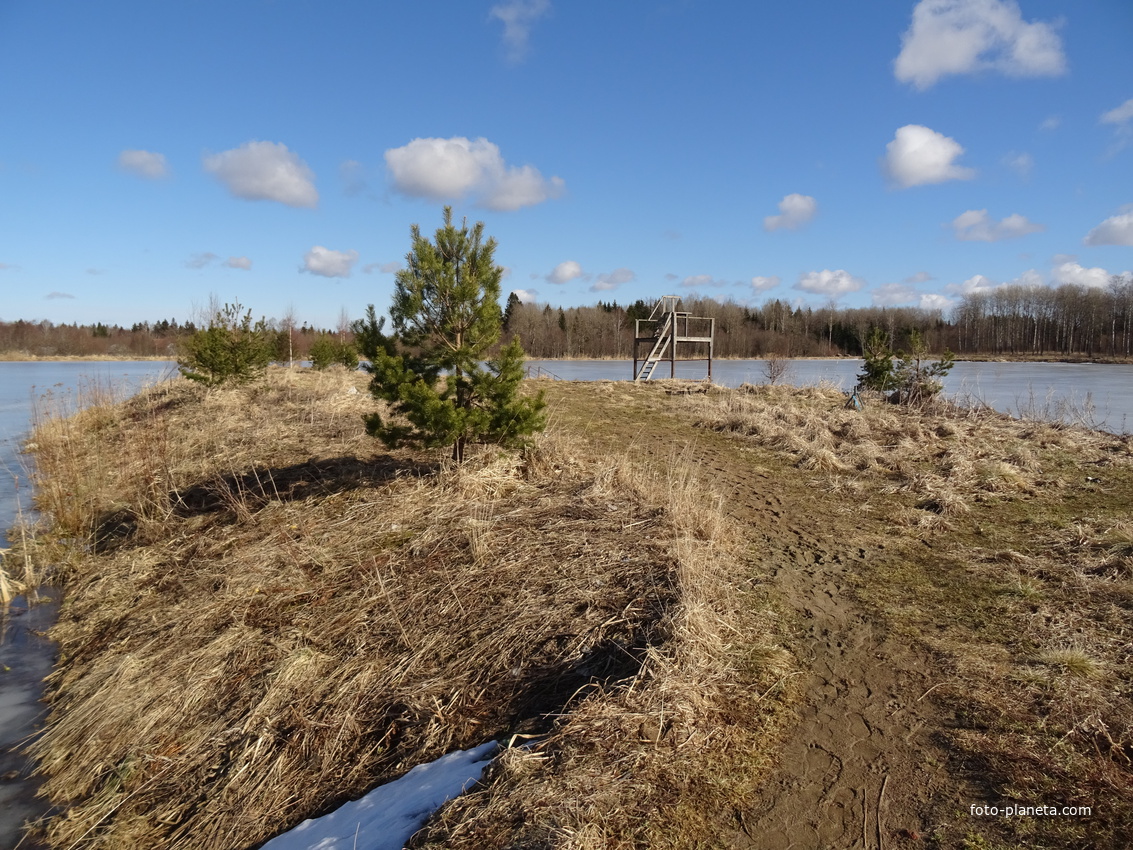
<point>389,815</point>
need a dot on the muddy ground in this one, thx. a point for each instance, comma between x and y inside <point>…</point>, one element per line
<point>872,760</point>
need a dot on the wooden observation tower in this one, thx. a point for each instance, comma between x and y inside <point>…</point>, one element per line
<point>671,336</point>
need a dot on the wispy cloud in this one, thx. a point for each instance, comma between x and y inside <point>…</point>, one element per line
<point>612,280</point>
<point>201,259</point>
<point>892,295</point>
<point>383,268</point>
<point>353,176</point>
<point>1021,163</point>
<point>698,281</point>
<point>978,226</point>
<point>518,17</point>
<point>1121,117</point>
<point>151,166</point>
<point>52,296</point>
<point>242,263</point>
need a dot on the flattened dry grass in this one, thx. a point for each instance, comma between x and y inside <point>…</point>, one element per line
<point>266,616</point>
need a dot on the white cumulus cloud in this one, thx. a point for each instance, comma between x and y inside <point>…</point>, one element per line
<point>1095,278</point>
<point>978,226</point>
<point>238,263</point>
<point>1116,230</point>
<point>832,283</point>
<point>612,280</point>
<point>919,277</point>
<point>526,296</point>
<point>565,272</point>
<point>518,16</point>
<point>949,37</point>
<point>146,164</point>
<point>762,284</point>
<point>935,301</point>
<point>327,263</point>
<point>918,156</point>
<point>265,171</point>
<point>442,169</point>
<point>795,210</point>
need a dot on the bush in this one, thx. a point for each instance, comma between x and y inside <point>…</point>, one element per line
<point>916,377</point>
<point>913,377</point>
<point>230,350</point>
<point>326,351</point>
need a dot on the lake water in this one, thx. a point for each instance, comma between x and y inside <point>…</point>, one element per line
<point>1101,392</point>
<point>25,658</point>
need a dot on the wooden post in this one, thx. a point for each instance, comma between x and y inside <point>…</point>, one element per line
<point>711,345</point>
<point>636,334</point>
<point>673,346</point>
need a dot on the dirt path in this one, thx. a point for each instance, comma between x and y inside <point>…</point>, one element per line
<point>861,768</point>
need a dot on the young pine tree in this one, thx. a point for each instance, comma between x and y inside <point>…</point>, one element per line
<point>230,350</point>
<point>918,379</point>
<point>877,370</point>
<point>446,316</point>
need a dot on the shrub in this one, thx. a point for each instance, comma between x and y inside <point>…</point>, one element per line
<point>230,350</point>
<point>326,351</point>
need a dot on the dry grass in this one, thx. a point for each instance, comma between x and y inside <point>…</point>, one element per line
<point>663,758</point>
<point>1025,595</point>
<point>267,616</point>
<point>949,457</point>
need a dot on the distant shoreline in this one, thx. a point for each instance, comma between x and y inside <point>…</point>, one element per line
<point>23,357</point>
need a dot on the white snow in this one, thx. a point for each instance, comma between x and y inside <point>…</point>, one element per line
<point>386,817</point>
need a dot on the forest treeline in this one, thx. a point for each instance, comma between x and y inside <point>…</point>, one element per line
<point>1039,321</point>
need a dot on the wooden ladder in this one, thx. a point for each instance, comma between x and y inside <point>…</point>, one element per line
<point>657,353</point>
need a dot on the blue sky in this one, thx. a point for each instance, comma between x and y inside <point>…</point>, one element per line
<point>277,152</point>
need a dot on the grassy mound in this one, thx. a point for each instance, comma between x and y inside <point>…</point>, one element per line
<point>266,616</point>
